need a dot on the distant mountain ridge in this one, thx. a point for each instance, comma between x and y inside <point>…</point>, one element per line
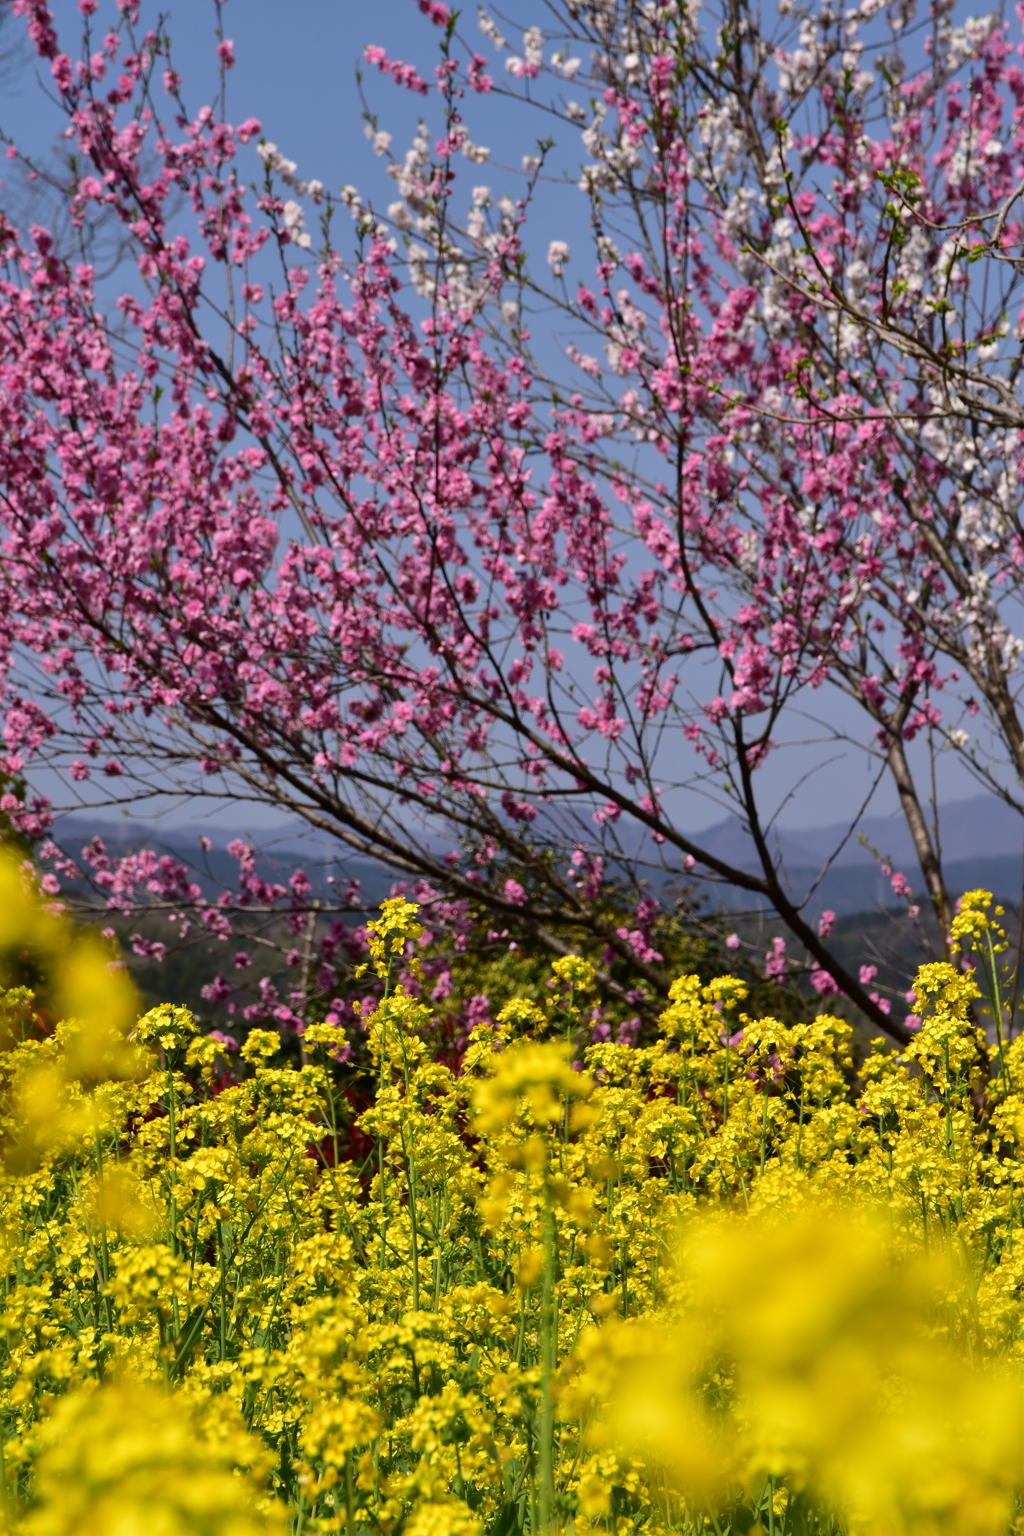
<point>982,843</point>
<point>982,827</point>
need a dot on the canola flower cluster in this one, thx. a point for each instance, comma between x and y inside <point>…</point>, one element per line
<point>720,1282</point>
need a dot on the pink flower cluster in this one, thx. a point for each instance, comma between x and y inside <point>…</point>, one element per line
<point>349,552</point>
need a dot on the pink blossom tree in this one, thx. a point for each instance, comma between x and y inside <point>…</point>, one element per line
<point>334,523</point>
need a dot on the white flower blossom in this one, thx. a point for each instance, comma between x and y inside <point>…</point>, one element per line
<point>399,215</point>
<point>988,350</point>
<point>295,224</point>
<point>737,218</point>
<point>489,29</point>
<point>749,552</point>
<point>279,165</point>
<point>533,45</point>
<point>858,274</point>
<point>379,139</point>
<point>274,160</point>
<point>963,43</point>
<point>566,67</point>
<point>420,276</point>
<point>558,255</point>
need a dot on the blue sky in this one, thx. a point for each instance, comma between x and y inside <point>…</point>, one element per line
<point>295,71</point>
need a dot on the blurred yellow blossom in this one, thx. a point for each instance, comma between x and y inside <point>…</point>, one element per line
<point>128,1460</point>
<point>814,1345</point>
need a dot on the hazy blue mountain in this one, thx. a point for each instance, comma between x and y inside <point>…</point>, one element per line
<point>982,844</point>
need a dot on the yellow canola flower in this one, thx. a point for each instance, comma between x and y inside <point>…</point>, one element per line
<point>128,1460</point>
<point>451,1518</point>
<point>575,972</point>
<point>333,1429</point>
<point>389,934</point>
<point>444,1301</point>
<point>520,1014</point>
<point>973,920</point>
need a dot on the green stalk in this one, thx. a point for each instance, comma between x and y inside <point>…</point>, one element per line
<point>350,1519</point>
<point>104,1245</point>
<point>996,998</point>
<point>173,1142</point>
<point>546,1490</point>
<point>223,1290</point>
<point>173,1137</point>
<point>5,1496</point>
<point>380,1152</point>
<point>410,1168</point>
<point>100,1265</point>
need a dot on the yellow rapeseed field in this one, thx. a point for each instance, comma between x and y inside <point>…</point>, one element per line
<point>719,1282</point>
